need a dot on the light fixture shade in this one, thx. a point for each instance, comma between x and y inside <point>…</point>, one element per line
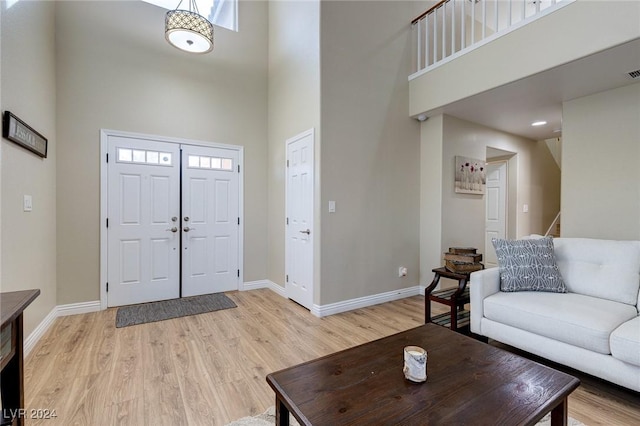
<point>188,31</point>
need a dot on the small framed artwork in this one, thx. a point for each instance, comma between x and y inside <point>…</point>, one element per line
<point>471,175</point>
<point>24,135</point>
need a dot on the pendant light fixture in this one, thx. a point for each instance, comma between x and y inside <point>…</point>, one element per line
<point>188,30</point>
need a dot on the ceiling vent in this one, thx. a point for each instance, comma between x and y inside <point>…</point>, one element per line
<point>634,74</point>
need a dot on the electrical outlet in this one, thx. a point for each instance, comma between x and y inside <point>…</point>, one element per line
<point>402,272</point>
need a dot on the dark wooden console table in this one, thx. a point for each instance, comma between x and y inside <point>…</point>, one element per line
<point>12,305</point>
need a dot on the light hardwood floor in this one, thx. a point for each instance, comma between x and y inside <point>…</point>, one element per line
<point>210,369</point>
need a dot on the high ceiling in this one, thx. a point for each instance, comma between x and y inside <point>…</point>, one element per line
<point>513,107</point>
<point>510,108</point>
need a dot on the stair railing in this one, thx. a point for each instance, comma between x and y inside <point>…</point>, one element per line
<point>553,224</point>
<point>453,27</point>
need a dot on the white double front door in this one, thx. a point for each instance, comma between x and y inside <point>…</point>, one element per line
<point>172,220</point>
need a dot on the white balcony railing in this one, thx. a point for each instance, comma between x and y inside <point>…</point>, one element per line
<point>453,27</point>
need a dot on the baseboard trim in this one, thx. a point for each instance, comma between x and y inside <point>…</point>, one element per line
<point>78,308</point>
<point>363,302</point>
<point>346,305</point>
<point>253,285</point>
<point>58,311</point>
<point>277,289</point>
<point>39,331</point>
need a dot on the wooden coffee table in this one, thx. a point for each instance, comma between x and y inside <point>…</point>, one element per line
<point>469,382</point>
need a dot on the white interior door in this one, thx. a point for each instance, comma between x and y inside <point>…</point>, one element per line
<point>496,209</point>
<point>210,220</point>
<point>299,210</point>
<point>143,221</point>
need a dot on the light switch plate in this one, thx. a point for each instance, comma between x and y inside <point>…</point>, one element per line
<point>27,203</point>
<point>332,206</point>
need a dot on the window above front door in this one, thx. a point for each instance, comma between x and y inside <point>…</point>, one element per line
<point>223,13</point>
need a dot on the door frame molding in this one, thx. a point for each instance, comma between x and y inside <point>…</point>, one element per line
<point>104,138</point>
<point>310,132</point>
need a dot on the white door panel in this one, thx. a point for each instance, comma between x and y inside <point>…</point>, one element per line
<point>143,252</point>
<point>299,233</point>
<point>210,210</point>
<point>496,208</point>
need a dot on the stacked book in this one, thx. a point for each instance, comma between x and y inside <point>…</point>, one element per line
<point>463,260</point>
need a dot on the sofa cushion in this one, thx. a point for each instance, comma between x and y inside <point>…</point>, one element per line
<point>601,268</point>
<point>625,342</point>
<point>578,320</point>
<point>528,265</point>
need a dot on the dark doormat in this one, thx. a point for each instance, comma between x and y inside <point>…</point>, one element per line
<point>174,308</point>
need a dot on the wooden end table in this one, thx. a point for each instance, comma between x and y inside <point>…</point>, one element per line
<point>468,382</point>
<point>457,319</point>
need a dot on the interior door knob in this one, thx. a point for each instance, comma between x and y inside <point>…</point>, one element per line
<point>308,231</point>
<point>187,229</point>
<point>173,229</point>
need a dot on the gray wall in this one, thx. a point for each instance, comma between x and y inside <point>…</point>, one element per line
<point>600,173</point>
<point>462,216</point>
<point>294,106</point>
<point>538,183</point>
<point>430,196</point>
<point>370,150</point>
<point>116,71</point>
<point>28,90</point>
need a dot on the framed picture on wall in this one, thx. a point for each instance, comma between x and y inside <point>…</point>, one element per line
<point>24,135</point>
<point>471,175</point>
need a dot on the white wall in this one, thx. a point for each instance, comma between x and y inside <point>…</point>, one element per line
<point>572,32</point>
<point>600,157</point>
<point>28,90</point>
<point>370,150</point>
<point>294,106</point>
<point>116,71</point>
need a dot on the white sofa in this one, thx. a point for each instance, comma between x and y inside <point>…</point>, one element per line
<point>594,327</point>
